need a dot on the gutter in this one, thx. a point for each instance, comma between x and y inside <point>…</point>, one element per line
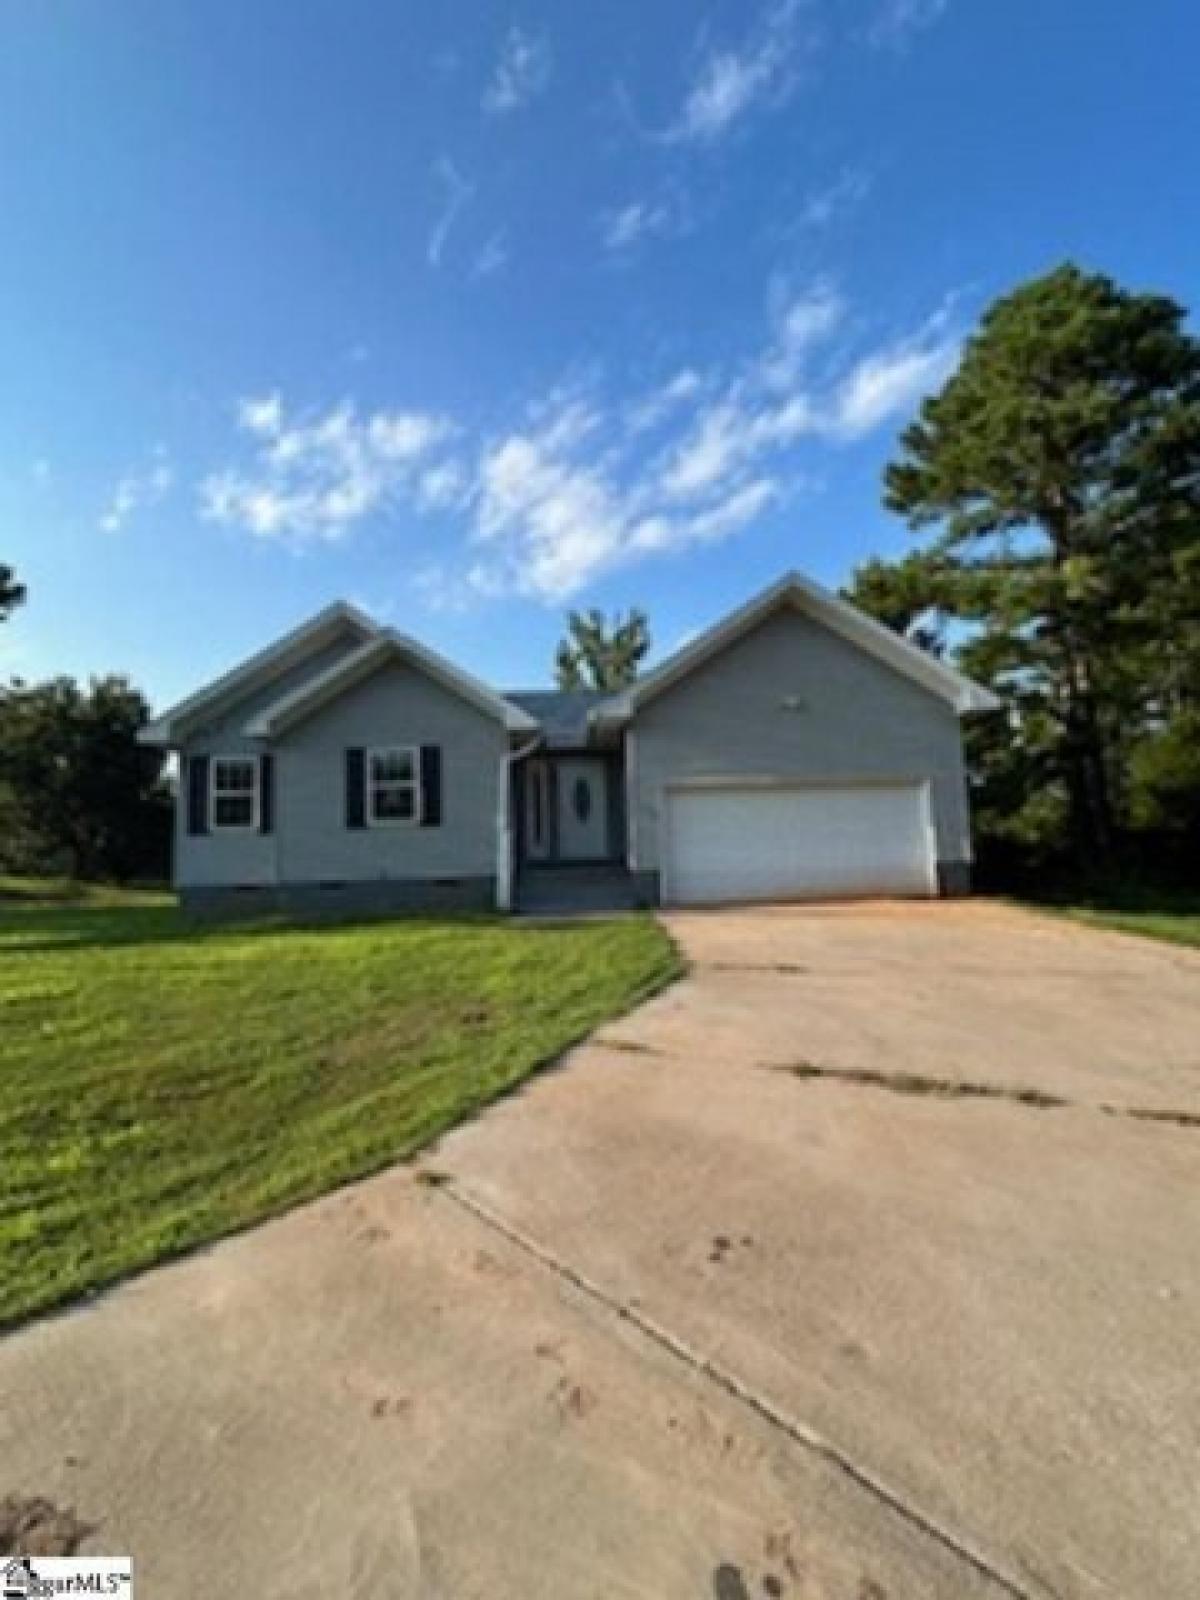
<point>504,839</point>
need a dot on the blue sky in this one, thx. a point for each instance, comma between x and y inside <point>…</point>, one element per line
<point>470,312</point>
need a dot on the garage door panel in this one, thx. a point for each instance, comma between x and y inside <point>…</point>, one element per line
<point>792,842</point>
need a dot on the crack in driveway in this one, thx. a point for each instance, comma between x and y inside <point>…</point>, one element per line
<point>788,969</point>
<point>1180,1119</point>
<point>633,1047</point>
<point>798,1432</point>
<point>919,1083</point>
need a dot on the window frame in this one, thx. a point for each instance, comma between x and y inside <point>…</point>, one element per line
<point>370,783</point>
<point>254,793</point>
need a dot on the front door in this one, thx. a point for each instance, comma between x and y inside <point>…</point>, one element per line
<point>582,809</point>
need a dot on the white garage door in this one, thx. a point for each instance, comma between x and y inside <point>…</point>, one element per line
<point>781,843</point>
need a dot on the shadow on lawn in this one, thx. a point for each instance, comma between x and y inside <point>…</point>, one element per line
<point>67,929</point>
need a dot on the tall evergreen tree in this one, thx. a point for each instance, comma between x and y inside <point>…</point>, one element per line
<point>1061,467</point>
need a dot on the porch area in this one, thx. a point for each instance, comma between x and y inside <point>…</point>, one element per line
<point>569,833</point>
<point>567,888</point>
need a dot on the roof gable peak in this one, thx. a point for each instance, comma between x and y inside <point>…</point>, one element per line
<point>385,645</point>
<point>830,610</point>
<point>257,670</point>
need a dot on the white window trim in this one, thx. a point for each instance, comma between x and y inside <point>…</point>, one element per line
<point>255,794</point>
<point>413,751</point>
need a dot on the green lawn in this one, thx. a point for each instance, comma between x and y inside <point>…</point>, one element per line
<point>1155,913</point>
<point>161,1085</point>
<point>1180,927</point>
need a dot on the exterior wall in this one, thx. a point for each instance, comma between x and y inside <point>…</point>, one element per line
<point>310,846</point>
<point>242,858</point>
<point>954,879</point>
<point>397,705</point>
<point>647,887</point>
<point>856,719</point>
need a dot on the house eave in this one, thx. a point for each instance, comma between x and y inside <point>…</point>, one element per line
<point>170,728</point>
<point>824,607</point>
<point>387,645</point>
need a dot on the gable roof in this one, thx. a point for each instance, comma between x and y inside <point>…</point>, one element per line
<point>839,616</point>
<point>386,645</point>
<point>259,669</point>
<point>562,714</point>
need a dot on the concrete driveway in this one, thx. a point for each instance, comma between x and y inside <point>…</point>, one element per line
<point>864,1264</point>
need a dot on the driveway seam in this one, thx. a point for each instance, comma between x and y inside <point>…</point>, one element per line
<point>800,1433</point>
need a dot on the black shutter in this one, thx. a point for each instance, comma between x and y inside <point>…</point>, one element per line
<point>266,794</point>
<point>431,786</point>
<point>197,794</point>
<point>356,770</point>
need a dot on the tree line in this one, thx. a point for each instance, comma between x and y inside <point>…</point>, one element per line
<point>1054,486</point>
<point>79,796</point>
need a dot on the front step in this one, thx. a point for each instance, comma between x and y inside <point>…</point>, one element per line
<point>564,889</point>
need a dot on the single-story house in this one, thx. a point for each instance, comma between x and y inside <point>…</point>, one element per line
<point>796,749</point>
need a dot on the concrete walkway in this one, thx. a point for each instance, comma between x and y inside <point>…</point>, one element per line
<point>850,1267</point>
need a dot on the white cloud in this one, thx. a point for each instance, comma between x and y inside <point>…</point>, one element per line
<point>890,382</point>
<point>773,404</point>
<point>802,321</point>
<point>442,587</point>
<point>582,482</point>
<point>824,206</point>
<point>726,438</point>
<point>707,455</point>
<point>625,226</point>
<point>808,319</point>
<point>730,83</point>
<point>135,491</point>
<point>735,511</point>
<point>521,73</point>
<point>400,436</point>
<point>552,516</point>
<point>445,486</point>
<point>457,191</point>
<point>41,469</point>
<point>896,20</point>
<point>260,413</point>
<point>553,522</point>
<point>764,408</point>
<point>562,501</point>
<point>651,410</point>
<point>317,477</point>
<point>492,258</point>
